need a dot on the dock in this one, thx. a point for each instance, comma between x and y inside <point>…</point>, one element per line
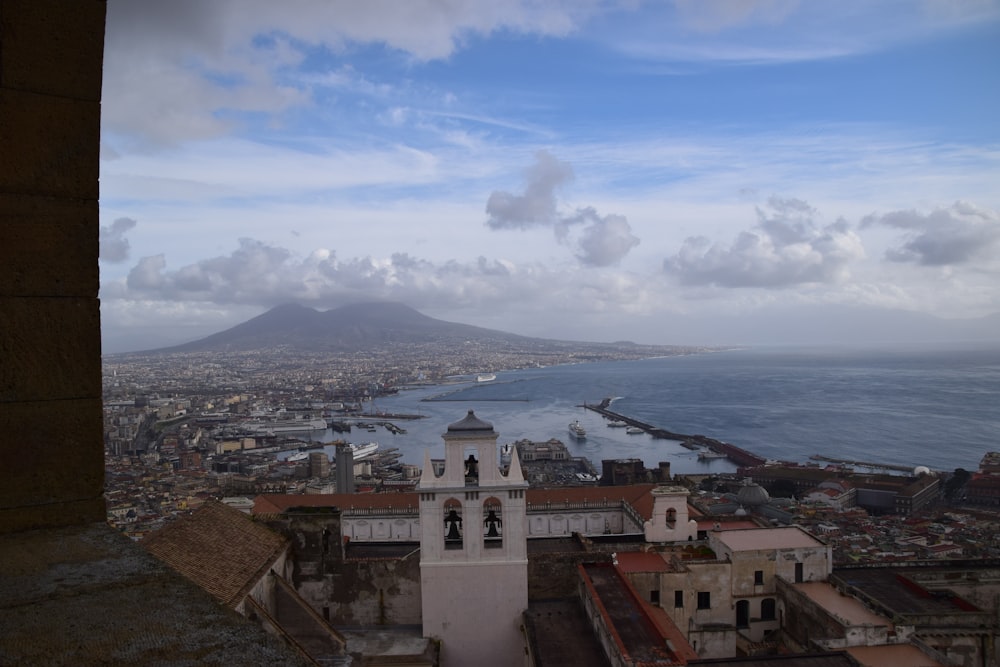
<point>863,464</point>
<point>733,453</point>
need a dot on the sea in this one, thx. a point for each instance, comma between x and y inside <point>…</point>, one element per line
<point>905,406</point>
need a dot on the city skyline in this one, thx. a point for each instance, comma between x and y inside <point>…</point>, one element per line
<point>678,173</point>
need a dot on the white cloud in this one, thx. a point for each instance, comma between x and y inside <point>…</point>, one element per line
<point>786,247</point>
<point>603,240</point>
<point>959,234</point>
<point>114,246</point>
<point>537,206</point>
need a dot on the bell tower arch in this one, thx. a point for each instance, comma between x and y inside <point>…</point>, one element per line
<point>473,549</point>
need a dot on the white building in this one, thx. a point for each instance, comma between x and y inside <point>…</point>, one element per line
<point>473,550</point>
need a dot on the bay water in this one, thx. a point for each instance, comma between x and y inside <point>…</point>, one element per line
<point>911,406</point>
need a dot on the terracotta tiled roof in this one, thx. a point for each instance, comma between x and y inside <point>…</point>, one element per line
<point>637,495</point>
<point>219,548</point>
<point>275,503</point>
<point>639,561</point>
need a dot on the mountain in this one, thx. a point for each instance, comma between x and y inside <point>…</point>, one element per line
<point>353,328</point>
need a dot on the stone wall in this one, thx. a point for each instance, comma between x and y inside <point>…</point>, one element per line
<point>347,590</point>
<point>51,59</point>
<point>554,574</point>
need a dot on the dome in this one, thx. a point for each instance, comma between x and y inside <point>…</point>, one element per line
<point>470,423</point>
<point>752,495</point>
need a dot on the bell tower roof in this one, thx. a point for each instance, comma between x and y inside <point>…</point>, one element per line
<point>470,423</point>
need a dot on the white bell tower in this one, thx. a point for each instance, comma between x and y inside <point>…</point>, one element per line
<point>473,549</point>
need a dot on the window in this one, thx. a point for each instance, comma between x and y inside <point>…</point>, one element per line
<point>758,577</point>
<point>704,600</point>
<point>798,573</point>
<point>654,597</point>
<point>767,609</point>
<point>678,599</point>
<point>743,614</point>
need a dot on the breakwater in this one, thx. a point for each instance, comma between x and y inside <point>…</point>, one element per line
<point>735,454</point>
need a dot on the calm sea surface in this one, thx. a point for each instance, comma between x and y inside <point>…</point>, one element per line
<point>939,408</point>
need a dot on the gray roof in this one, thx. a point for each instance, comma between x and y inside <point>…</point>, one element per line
<point>470,423</point>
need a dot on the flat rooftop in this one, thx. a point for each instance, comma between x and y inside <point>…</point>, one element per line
<point>561,635</point>
<point>893,590</point>
<point>397,644</point>
<point>844,607</point>
<point>644,638</point>
<point>788,537</point>
<point>895,655</point>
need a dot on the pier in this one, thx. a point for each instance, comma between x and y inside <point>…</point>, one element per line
<point>863,464</point>
<point>733,453</point>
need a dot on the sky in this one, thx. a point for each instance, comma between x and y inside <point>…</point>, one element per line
<point>670,172</point>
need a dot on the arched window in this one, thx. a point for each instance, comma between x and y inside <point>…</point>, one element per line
<point>671,517</point>
<point>492,524</point>
<point>767,609</point>
<point>452,524</point>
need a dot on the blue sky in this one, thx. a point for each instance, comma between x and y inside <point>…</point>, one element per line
<point>664,172</point>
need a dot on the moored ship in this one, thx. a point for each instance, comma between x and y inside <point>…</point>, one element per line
<point>363,450</point>
<point>283,426</point>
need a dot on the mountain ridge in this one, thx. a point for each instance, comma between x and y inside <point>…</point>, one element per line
<point>351,328</point>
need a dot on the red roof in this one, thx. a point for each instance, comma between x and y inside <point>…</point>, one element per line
<point>639,496</point>
<point>638,561</point>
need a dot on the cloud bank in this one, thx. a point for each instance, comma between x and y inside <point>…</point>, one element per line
<point>787,247</point>
<point>959,234</point>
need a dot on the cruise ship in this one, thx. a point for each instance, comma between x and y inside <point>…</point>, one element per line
<point>363,450</point>
<point>577,431</point>
<point>284,426</point>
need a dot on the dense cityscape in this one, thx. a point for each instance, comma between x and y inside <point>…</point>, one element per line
<point>172,169</point>
<point>185,432</point>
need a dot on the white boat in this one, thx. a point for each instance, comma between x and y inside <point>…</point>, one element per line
<point>297,456</point>
<point>617,423</point>
<point>364,450</point>
<point>486,377</point>
<point>634,430</point>
<point>707,454</point>
<point>577,431</point>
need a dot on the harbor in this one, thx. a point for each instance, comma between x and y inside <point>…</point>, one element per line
<point>719,448</point>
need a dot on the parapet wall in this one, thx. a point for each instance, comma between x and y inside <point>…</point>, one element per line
<point>51,60</point>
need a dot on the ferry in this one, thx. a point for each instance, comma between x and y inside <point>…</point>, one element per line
<point>283,426</point>
<point>577,431</point>
<point>708,454</point>
<point>297,456</point>
<point>634,430</point>
<point>364,450</point>
<point>486,377</point>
